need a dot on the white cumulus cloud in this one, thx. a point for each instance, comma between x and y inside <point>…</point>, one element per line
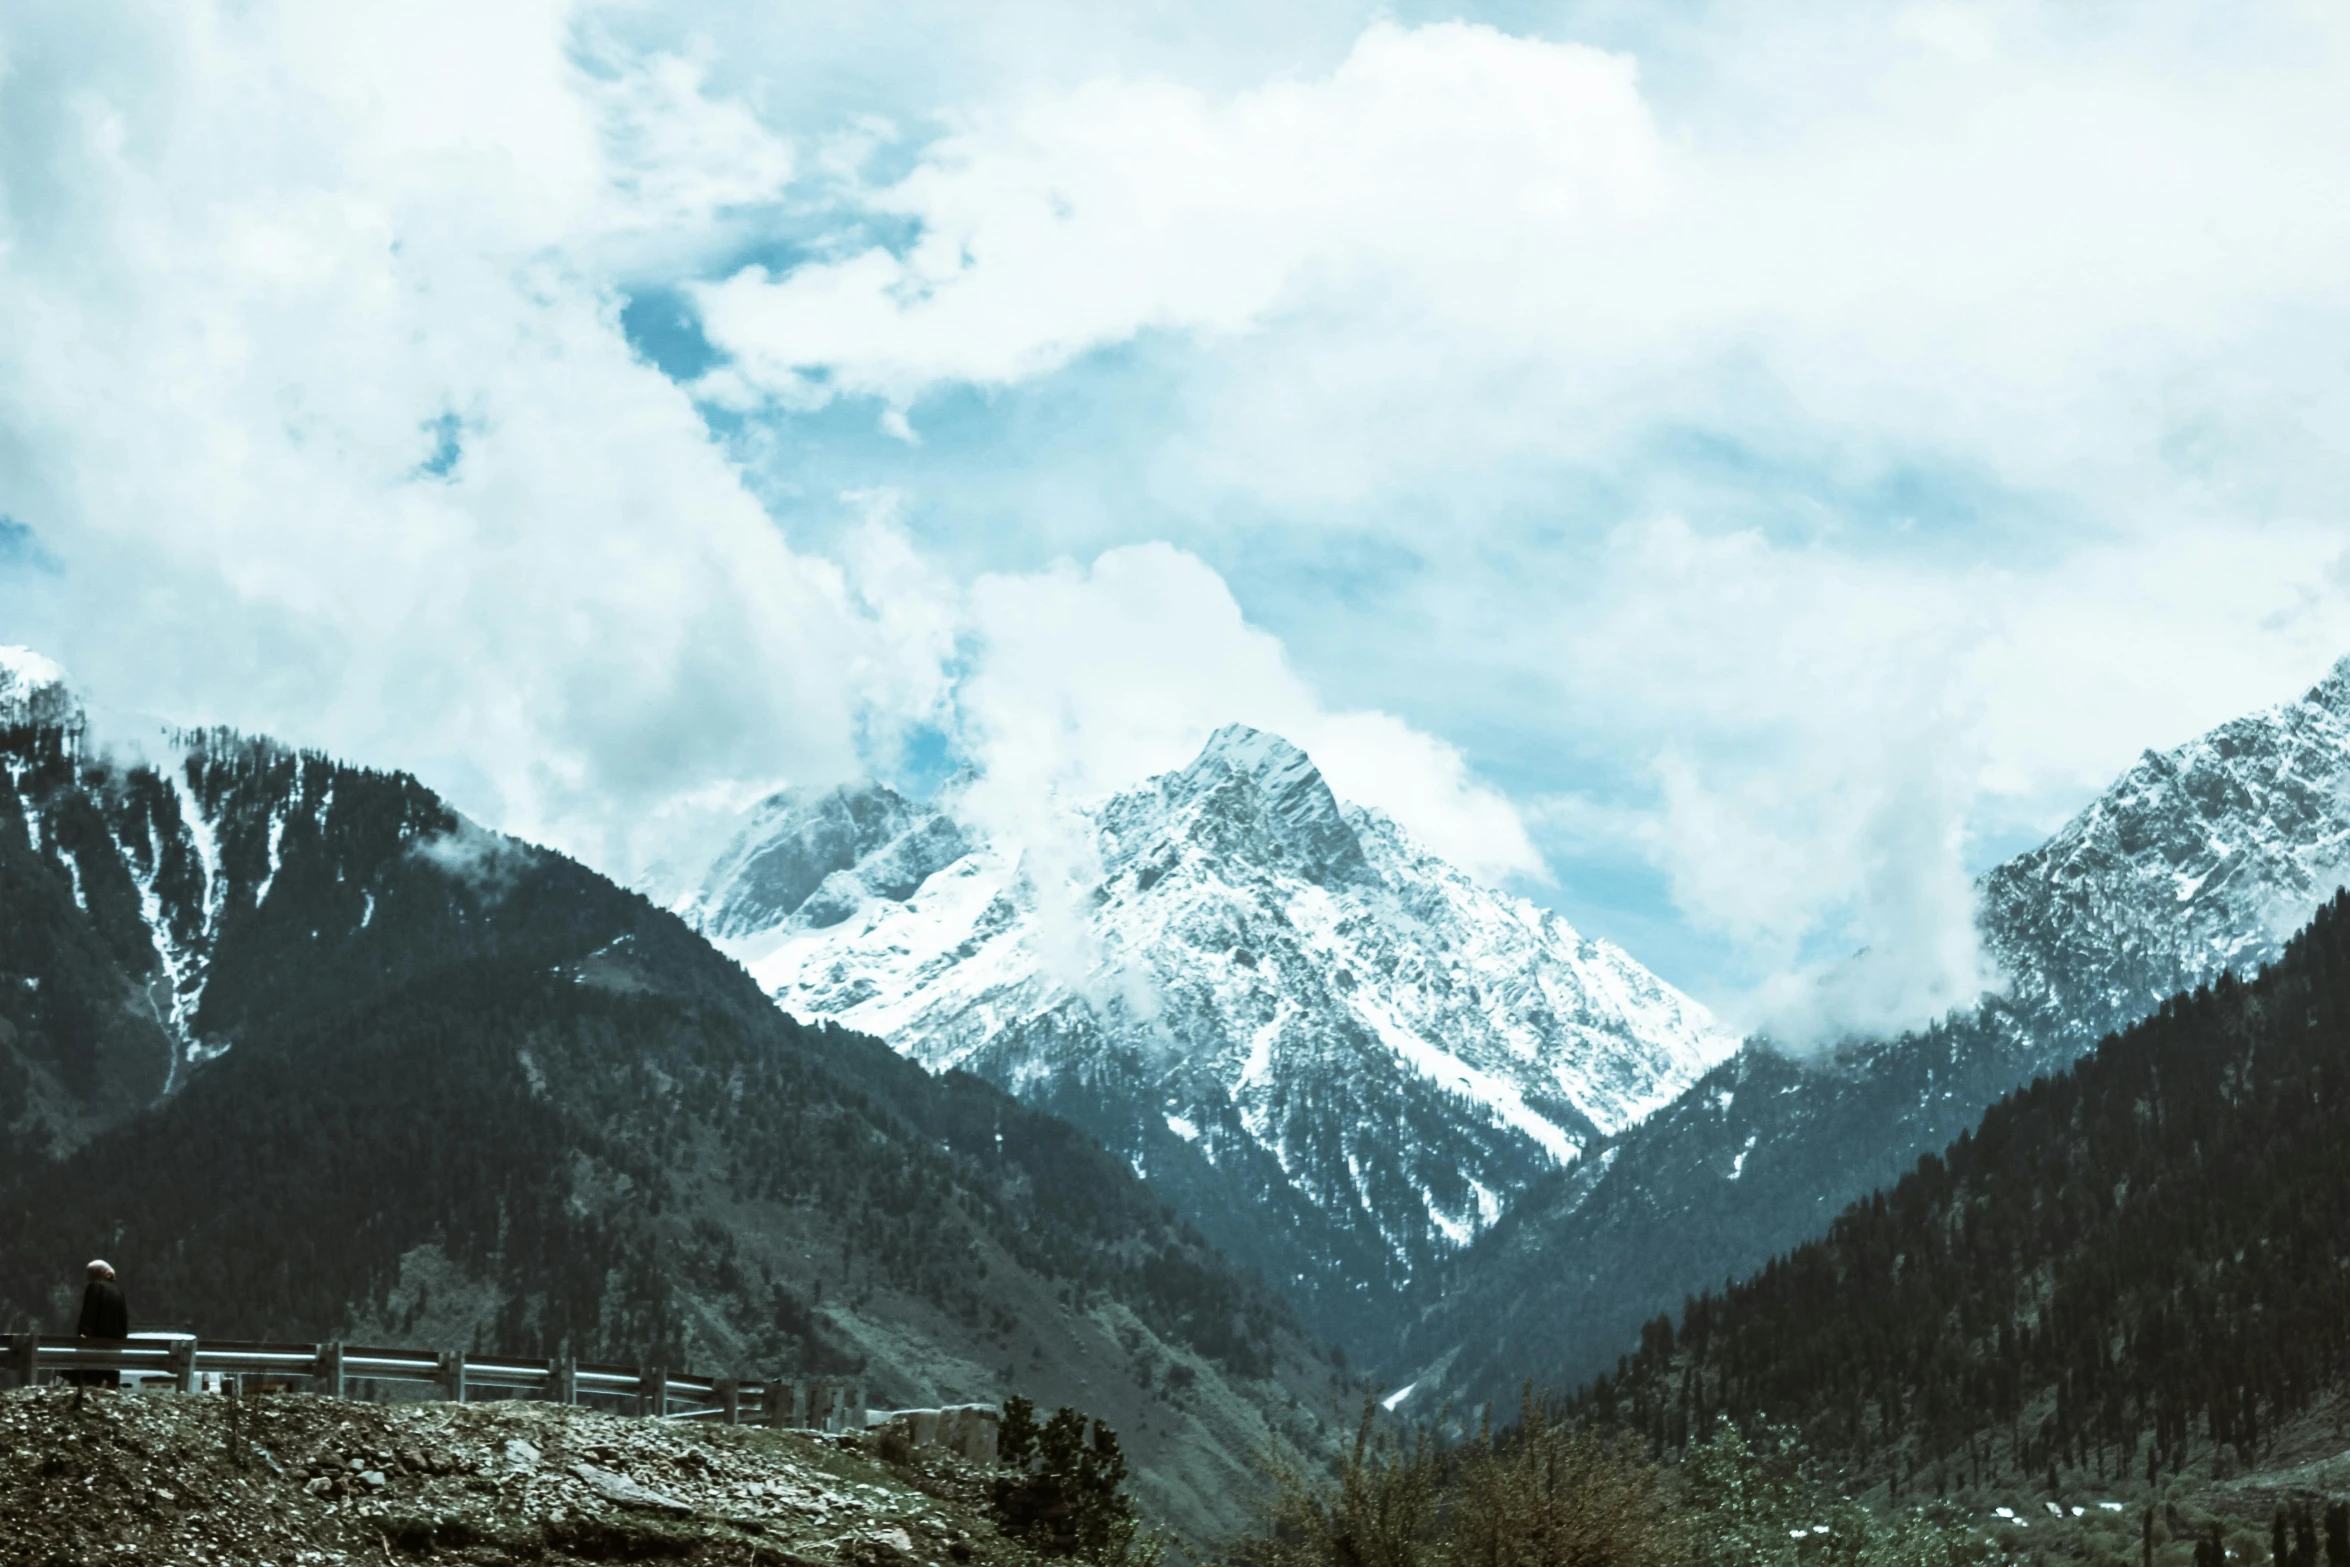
<point>1858,429</point>
<point>1072,220</point>
<point>1791,447</point>
<point>1088,679</point>
<point>312,393</point>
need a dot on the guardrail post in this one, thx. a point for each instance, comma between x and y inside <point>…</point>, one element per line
<point>330,1368</point>
<point>652,1392</point>
<point>566,1388</point>
<point>183,1364</point>
<point>24,1357</point>
<point>452,1376</point>
<point>730,1401</point>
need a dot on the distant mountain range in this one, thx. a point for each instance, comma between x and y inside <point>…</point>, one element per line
<point>1339,1056</point>
<point>307,1054</point>
<point>1069,1117</point>
<point>2196,862</point>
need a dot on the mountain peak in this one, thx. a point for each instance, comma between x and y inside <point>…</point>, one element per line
<point>2333,692</point>
<point>1251,780</point>
<point>33,690</point>
<point>790,843</point>
<point>1249,750</point>
<point>818,853</point>
<point>1338,1055</point>
<point>2198,860</point>
<point>23,666</point>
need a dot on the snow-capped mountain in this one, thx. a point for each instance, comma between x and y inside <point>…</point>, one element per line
<point>33,691</point>
<point>2196,862</point>
<point>1339,1055</point>
<point>817,859</point>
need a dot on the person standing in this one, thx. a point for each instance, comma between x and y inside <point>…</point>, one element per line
<point>105,1315</point>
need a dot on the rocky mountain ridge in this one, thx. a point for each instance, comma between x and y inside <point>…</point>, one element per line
<point>2196,862</point>
<point>1337,1054</point>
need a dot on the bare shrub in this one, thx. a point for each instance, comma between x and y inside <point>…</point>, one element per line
<point>1547,1495</point>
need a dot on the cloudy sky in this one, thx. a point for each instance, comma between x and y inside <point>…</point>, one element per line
<point>1730,472</point>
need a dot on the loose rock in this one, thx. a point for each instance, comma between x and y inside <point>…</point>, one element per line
<point>623,1492</point>
<point>147,1478</point>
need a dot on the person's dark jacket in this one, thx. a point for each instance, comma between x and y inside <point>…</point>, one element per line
<point>105,1314</point>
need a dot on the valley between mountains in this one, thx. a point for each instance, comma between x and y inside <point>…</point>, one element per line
<point>1471,1144</point>
<point>1225,1108</point>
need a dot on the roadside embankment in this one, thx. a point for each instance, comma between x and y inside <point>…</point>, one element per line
<point>298,1479</point>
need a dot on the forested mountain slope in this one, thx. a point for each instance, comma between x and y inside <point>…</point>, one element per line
<point>2196,861</point>
<point>2124,1265</point>
<point>159,910</point>
<point>307,1055</point>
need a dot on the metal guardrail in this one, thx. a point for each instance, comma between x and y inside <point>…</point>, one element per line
<point>184,1361</point>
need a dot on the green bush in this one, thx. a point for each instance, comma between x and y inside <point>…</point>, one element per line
<point>1063,1491</point>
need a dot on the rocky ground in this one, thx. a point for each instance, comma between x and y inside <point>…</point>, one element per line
<point>298,1479</point>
